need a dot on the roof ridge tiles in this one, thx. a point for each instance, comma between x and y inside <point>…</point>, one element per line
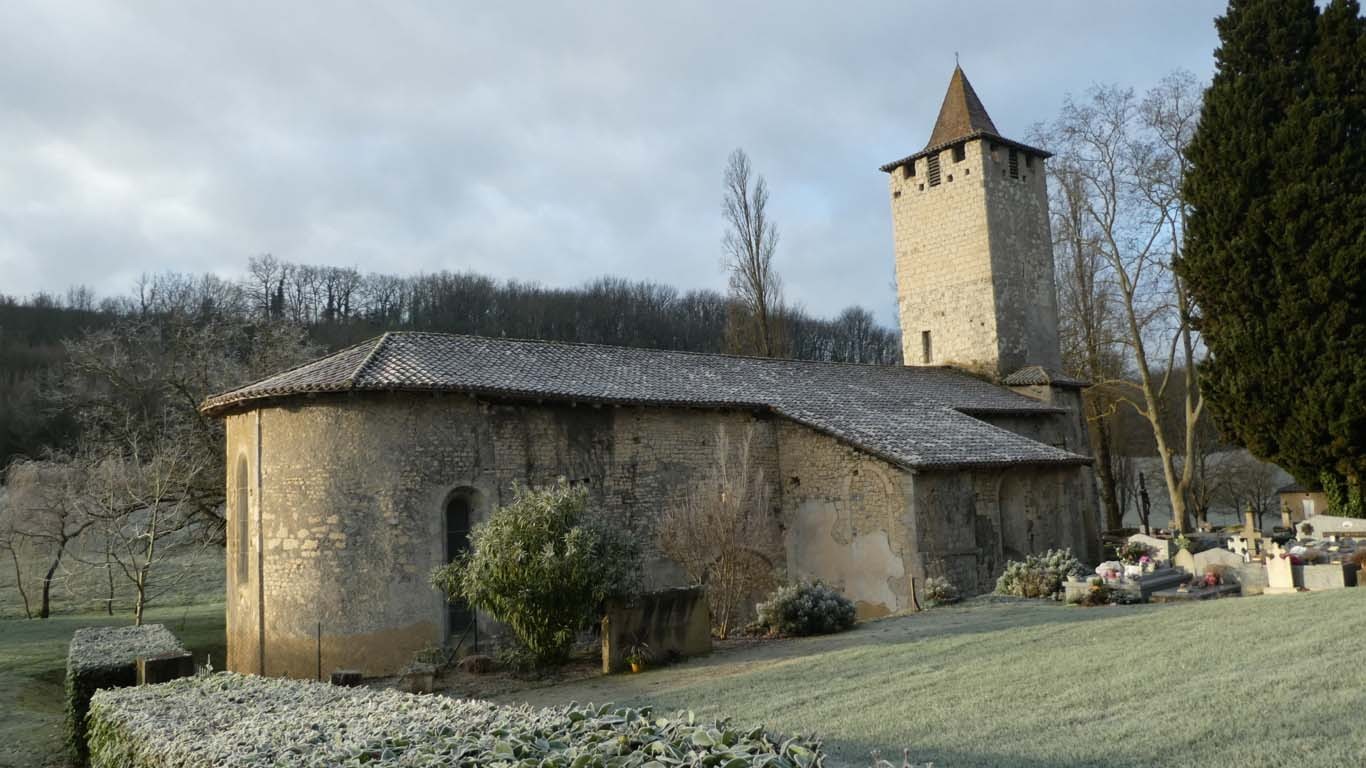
<point>369,358</point>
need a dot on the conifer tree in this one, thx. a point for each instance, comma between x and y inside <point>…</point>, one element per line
<point>1276,245</point>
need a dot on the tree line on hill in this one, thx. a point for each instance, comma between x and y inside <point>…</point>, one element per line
<point>337,306</point>
<point>111,468</point>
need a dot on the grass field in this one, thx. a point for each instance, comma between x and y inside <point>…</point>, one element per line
<point>1262,681</point>
<point>33,662</point>
<point>192,578</point>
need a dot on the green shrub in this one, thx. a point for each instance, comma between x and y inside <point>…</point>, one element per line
<point>1039,575</point>
<point>245,721</point>
<point>806,608</point>
<point>544,565</point>
<point>106,657</point>
<point>939,591</point>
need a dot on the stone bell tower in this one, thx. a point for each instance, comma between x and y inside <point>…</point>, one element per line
<point>974,257</point>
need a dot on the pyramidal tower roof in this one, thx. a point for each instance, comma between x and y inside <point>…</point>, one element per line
<point>961,117</point>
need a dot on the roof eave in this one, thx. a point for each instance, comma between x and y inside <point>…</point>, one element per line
<point>974,136</point>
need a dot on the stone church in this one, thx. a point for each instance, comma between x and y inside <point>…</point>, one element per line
<point>351,477</point>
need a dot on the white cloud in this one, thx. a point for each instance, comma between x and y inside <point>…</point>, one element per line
<point>554,143</point>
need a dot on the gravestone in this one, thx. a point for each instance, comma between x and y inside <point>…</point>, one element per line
<point>1161,548</point>
<point>1216,556</point>
<point>1184,560</point>
<point>1316,578</point>
<point>1251,577</point>
<point>1247,548</point>
<point>1280,575</point>
<point>1325,526</point>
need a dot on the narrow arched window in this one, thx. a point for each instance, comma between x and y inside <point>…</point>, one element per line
<point>459,617</point>
<point>457,526</point>
<point>240,515</point>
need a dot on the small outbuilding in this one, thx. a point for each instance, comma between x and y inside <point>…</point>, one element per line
<point>1298,503</point>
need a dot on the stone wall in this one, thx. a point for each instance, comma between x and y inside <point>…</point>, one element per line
<point>847,520</point>
<point>1021,260</point>
<point>972,522</point>
<point>974,261</point>
<point>352,494</point>
<point>943,262</point>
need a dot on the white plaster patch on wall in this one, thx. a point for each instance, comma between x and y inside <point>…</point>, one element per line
<point>860,568</point>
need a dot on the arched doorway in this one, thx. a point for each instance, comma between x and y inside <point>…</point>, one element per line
<point>460,617</point>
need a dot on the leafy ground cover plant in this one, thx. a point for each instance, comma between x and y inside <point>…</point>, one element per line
<point>544,565</point>
<point>1039,575</point>
<point>242,721</point>
<point>106,657</point>
<point>806,608</point>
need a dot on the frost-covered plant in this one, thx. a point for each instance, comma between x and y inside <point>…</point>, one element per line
<point>544,565</point>
<point>105,657</point>
<point>241,721</point>
<point>1039,575</point>
<point>806,608</point>
<point>939,591</point>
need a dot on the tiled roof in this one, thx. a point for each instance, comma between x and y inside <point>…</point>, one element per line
<point>913,416</point>
<point>1033,375</point>
<point>961,114</point>
<point>961,118</point>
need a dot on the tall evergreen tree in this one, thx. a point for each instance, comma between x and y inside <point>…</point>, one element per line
<point>1276,250</point>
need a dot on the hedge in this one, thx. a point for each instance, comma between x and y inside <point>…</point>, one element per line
<point>245,721</point>
<point>106,657</point>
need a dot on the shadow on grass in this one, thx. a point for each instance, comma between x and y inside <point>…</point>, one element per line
<point>852,754</point>
<point>964,621</point>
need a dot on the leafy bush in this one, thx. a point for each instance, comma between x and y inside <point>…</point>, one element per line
<point>939,591</point>
<point>106,657</point>
<point>1039,575</point>
<point>245,721</point>
<point>544,566</point>
<point>806,608</point>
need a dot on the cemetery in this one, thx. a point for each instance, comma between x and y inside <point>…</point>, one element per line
<point>1318,553</point>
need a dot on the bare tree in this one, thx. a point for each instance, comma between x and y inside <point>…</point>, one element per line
<point>1248,483</point>
<point>1127,163</point>
<point>1089,328</point>
<point>145,500</point>
<point>48,502</point>
<point>128,382</point>
<point>749,243</point>
<point>14,544</point>
<point>723,534</point>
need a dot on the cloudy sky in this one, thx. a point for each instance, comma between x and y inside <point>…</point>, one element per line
<point>541,141</point>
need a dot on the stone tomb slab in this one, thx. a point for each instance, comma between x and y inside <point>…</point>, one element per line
<point>1199,593</point>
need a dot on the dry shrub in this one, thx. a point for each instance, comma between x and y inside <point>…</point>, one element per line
<point>724,534</point>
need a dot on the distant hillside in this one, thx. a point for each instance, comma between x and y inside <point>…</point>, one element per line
<point>340,306</point>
